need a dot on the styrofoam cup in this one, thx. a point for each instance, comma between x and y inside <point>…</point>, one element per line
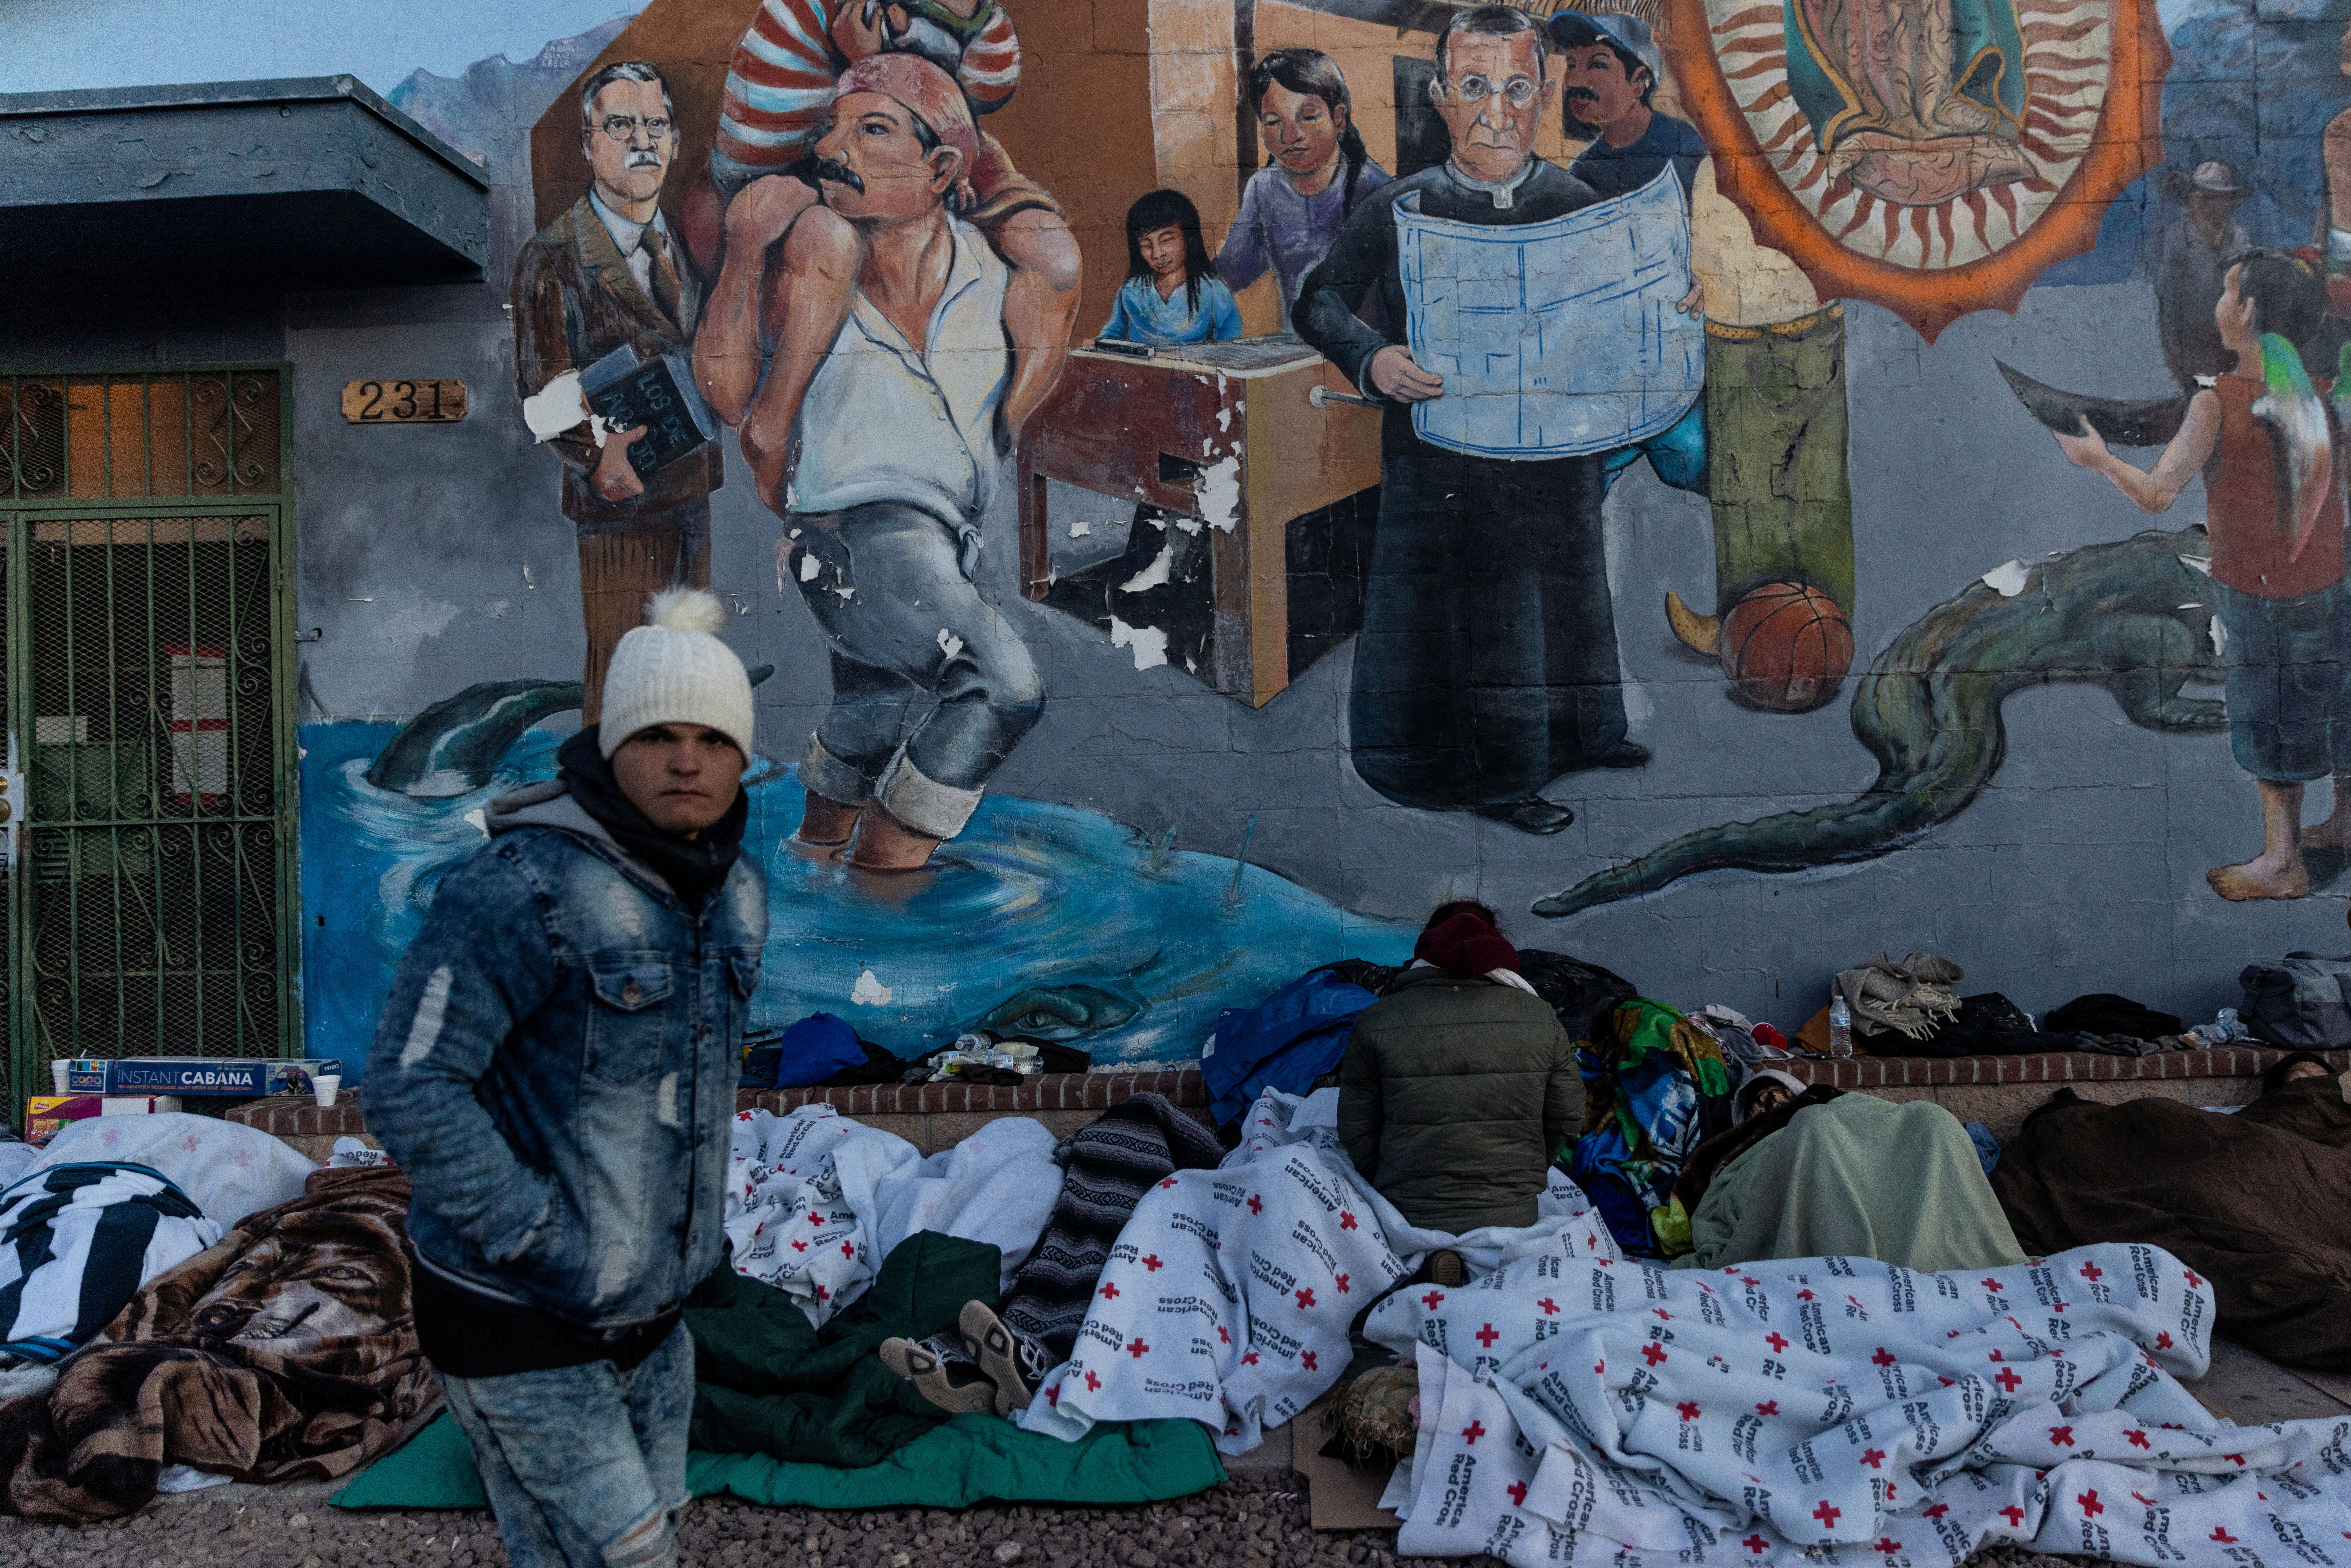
<point>58,1072</point>
<point>327,1085</point>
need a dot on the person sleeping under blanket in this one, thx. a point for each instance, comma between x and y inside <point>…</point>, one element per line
<point>1828,1174</point>
<point>2258,1202</point>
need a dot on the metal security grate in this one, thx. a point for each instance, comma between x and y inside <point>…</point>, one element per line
<point>148,708</point>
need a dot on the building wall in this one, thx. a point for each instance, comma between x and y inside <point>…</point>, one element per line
<point>2034,830</point>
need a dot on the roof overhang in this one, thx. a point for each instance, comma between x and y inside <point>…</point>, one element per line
<point>310,183</point>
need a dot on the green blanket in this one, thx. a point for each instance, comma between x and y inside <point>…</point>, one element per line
<point>1857,1177</point>
<point>784,1413</point>
<point>769,1384</point>
<point>970,1459</point>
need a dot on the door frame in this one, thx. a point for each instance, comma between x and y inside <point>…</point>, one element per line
<point>18,517</point>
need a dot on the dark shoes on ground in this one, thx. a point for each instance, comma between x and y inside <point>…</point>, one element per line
<point>987,1366</point>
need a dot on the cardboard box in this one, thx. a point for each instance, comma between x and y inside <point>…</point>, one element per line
<point>245,1078</point>
<point>137,1104</point>
<point>86,1075</point>
<point>46,1115</point>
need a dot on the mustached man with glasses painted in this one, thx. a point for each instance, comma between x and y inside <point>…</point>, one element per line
<point>1487,667</point>
<point>609,274</point>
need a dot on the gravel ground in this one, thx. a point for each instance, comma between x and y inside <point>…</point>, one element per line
<point>1247,1524</point>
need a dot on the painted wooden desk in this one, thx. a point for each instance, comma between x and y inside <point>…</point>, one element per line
<point>1220,432</point>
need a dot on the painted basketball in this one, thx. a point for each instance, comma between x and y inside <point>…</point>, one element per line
<point>1786,647</point>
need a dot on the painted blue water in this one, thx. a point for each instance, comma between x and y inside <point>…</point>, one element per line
<point>1044,919</point>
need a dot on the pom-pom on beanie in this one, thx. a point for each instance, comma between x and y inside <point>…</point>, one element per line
<point>674,670</point>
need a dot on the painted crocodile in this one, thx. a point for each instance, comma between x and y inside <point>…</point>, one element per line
<point>2132,616</point>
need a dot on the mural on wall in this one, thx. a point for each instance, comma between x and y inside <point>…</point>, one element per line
<point>1375,401</point>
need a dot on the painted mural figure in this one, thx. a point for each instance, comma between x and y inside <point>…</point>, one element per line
<point>1915,101</point>
<point>604,276</point>
<point>2187,276</point>
<point>1487,665</point>
<point>779,86</point>
<point>881,451</point>
<point>2278,562</point>
<point>1292,211</point>
<point>1608,72</point>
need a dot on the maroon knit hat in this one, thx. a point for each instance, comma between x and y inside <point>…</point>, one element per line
<point>1466,946</point>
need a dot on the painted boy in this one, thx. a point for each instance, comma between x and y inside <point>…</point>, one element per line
<point>2273,504</point>
<point>780,91</point>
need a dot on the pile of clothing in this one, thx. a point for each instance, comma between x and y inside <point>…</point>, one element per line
<point>1655,1086</point>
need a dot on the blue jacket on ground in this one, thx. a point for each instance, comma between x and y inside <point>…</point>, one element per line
<point>556,1067</point>
<point>1285,1042</point>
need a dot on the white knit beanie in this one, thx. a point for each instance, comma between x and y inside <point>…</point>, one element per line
<point>674,670</point>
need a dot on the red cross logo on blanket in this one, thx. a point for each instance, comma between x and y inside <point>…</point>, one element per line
<point>2014,1515</point>
<point>1756,1545</point>
<point>800,1245</point>
<point>1107,1292</point>
<point>1137,1348</point>
<point>2163,1341</point>
<point>1777,1341</point>
<point>1882,1358</point>
<point>2092,1271</point>
<point>1875,1458</point>
<point>1306,1359</point>
<point>1305,1297</point>
<point>1886,1545</point>
<point>1654,1353</point>
<point>816,1220</point>
<point>2237,1460</point>
<point>1486,1336</point>
<point>1053,1397</point>
<point>1688,1409</point>
<point>1938,1510</point>
<point>2091,1506</point>
<point>2150,1502</point>
<point>1093,1382</point>
<point>1430,1300</point>
<point>1224,1335</point>
<point>1168,1182</point>
<point>1746,1280</point>
<point>1518,1491</point>
<point>1346,1220</point>
<point>2137,1439</point>
<point>1152,1264</point>
<point>2223,1537</point>
<point>822,1294</point>
<point>1249,1359</point>
<point>2062,1436</point>
<point>2192,1279</point>
<point>1828,1514</point>
<point>1472,1432</point>
<point>1801,1295</point>
<point>1664,1314</point>
<point>2009,1380</point>
<point>1256,1204</point>
<point>1993,1285</point>
<point>1769,1407</point>
<point>849,1248</point>
<point>1550,1308</point>
<point>1341,1282</point>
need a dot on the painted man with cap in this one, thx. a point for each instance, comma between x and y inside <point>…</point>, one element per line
<point>554,1070</point>
<point>2193,270</point>
<point>882,453</point>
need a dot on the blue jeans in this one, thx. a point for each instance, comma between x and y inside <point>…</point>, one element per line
<point>585,1466</point>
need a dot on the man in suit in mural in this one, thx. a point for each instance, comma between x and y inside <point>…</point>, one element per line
<point>604,276</point>
<point>1487,666</point>
<point>881,451</point>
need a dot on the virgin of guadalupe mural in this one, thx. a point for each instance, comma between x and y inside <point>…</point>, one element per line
<point>1915,101</point>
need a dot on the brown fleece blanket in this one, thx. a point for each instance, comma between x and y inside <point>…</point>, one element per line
<point>2259,1202</point>
<point>287,1351</point>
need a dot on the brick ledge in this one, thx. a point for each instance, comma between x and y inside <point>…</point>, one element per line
<point>2078,1067</point>
<point>297,1116</point>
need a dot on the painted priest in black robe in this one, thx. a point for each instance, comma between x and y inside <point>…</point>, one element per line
<point>1487,666</point>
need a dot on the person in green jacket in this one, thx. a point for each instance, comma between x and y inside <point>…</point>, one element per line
<point>1458,1086</point>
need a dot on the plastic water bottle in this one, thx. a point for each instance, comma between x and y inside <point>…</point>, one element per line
<point>1840,1027</point>
<point>2229,1028</point>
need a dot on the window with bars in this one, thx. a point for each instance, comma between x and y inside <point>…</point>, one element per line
<point>145,698</point>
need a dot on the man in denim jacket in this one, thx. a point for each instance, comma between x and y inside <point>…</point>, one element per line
<point>556,1069</point>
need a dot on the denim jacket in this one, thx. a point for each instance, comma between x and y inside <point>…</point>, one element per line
<point>556,1067</point>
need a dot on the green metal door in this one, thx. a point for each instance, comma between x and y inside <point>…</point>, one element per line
<point>148,715</point>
